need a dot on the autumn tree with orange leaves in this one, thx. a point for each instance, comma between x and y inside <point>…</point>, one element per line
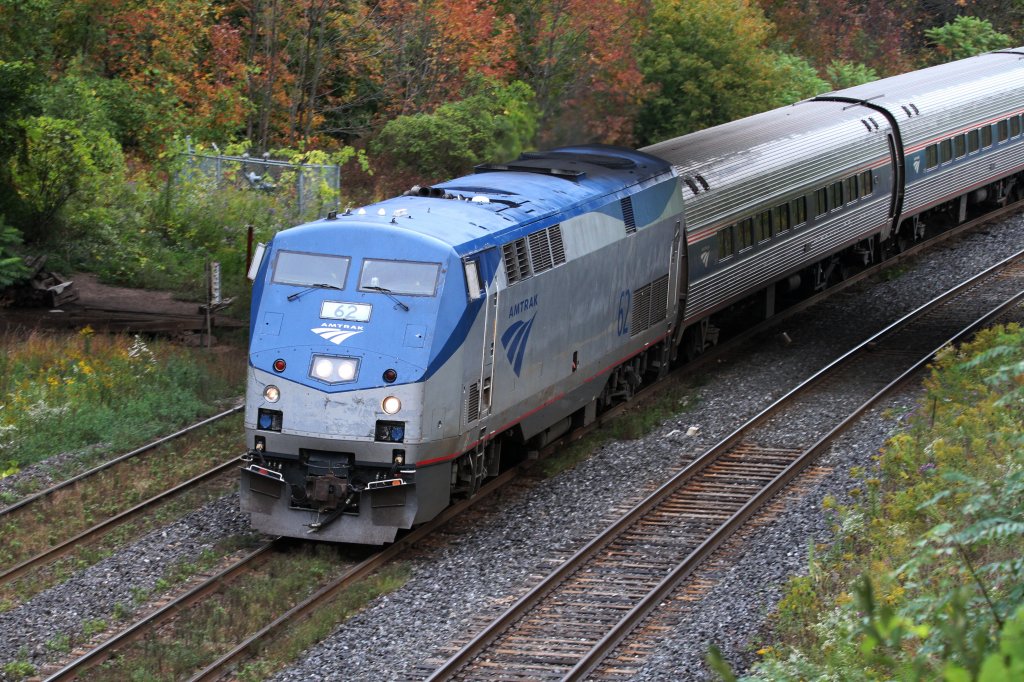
<point>183,54</point>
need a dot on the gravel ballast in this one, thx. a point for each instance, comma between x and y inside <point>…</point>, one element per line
<point>35,630</point>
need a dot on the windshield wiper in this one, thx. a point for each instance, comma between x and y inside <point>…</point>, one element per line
<point>292,297</point>
<point>387,292</point>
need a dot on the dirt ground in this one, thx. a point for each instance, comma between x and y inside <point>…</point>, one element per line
<point>114,308</point>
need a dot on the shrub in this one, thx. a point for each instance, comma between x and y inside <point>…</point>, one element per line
<point>494,124</point>
<point>939,530</point>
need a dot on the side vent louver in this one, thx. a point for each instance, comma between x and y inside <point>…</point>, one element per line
<point>641,310</point>
<point>533,254</point>
<point>627,215</point>
<point>473,403</point>
<point>650,305</point>
<point>517,263</point>
<point>659,299</point>
<point>557,248</point>
<point>546,249</point>
<point>540,251</point>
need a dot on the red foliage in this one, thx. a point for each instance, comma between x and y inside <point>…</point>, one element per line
<point>579,57</point>
<point>872,32</point>
<point>179,51</point>
<point>434,46</point>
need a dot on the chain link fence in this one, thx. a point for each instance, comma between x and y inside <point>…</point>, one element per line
<point>305,187</point>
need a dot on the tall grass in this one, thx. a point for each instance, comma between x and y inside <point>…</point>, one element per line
<point>62,393</point>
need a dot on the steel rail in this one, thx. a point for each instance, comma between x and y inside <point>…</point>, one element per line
<point>537,594</point>
<point>322,597</point>
<point>220,667</point>
<point>592,659</point>
<point>141,627</point>
<point>52,554</point>
<point>117,460</point>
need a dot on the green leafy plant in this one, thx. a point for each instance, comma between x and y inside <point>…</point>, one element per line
<point>938,526</point>
<point>965,37</point>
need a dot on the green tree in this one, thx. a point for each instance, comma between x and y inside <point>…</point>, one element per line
<point>707,61</point>
<point>57,162</point>
<point>497,122</point>
<point>965,37</point>
<point>795,79</point>
<point>17,83</point>
<point>12,268</point>
<point>848,74</point>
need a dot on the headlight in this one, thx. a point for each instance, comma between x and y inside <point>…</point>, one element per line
<point>391,404</point>
<point>333,370</point>
<point>271,393</point>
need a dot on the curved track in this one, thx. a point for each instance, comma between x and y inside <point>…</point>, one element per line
<point>566,625</point>
<point>719,494</point>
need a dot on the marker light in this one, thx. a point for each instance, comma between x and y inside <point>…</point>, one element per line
<point>271,393</point>
<point>279,365</point>
<point>391,405</point>
<point>390,375</point>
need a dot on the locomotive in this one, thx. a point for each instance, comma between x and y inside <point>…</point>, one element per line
<point>396,349</point>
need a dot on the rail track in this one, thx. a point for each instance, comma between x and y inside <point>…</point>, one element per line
<point>322,597</point>
<point>48,493</point>
<point>148,624</point>
<point>62,548</point>
<point>567,624</point>
<point>68,546</point>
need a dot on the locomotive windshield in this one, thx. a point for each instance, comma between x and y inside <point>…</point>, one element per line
<point>310,269</point>
<point>399,277</point>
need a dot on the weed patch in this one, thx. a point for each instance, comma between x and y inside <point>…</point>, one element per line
<point>628,426</point>
<point>925,578</point>
<point>217,623</point>
<point>65,393</point>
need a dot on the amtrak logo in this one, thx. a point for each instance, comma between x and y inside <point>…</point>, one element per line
<point>917,164</point>
<point>514,342</point>
<point>705,255</point>
<point>335,335</point>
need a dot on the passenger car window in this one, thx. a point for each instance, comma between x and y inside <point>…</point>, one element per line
<point>835,195</point>
<point>945,151</point>
<point>931,156</point>
<point>746,233</point>
<point>959,146</point>
<point>798,210</point>
<point>781,217</point>
<point>763,226</point>
<point>986,136</point>
<point>1014,126</point>
<point>821,202</point>
<point>1003,129</point>
<point>310,269</point>
<point>725,243</point>
<point>972,141</point>
<point>399,277</point>
<point>867,184</point>
<point>850,188</point>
